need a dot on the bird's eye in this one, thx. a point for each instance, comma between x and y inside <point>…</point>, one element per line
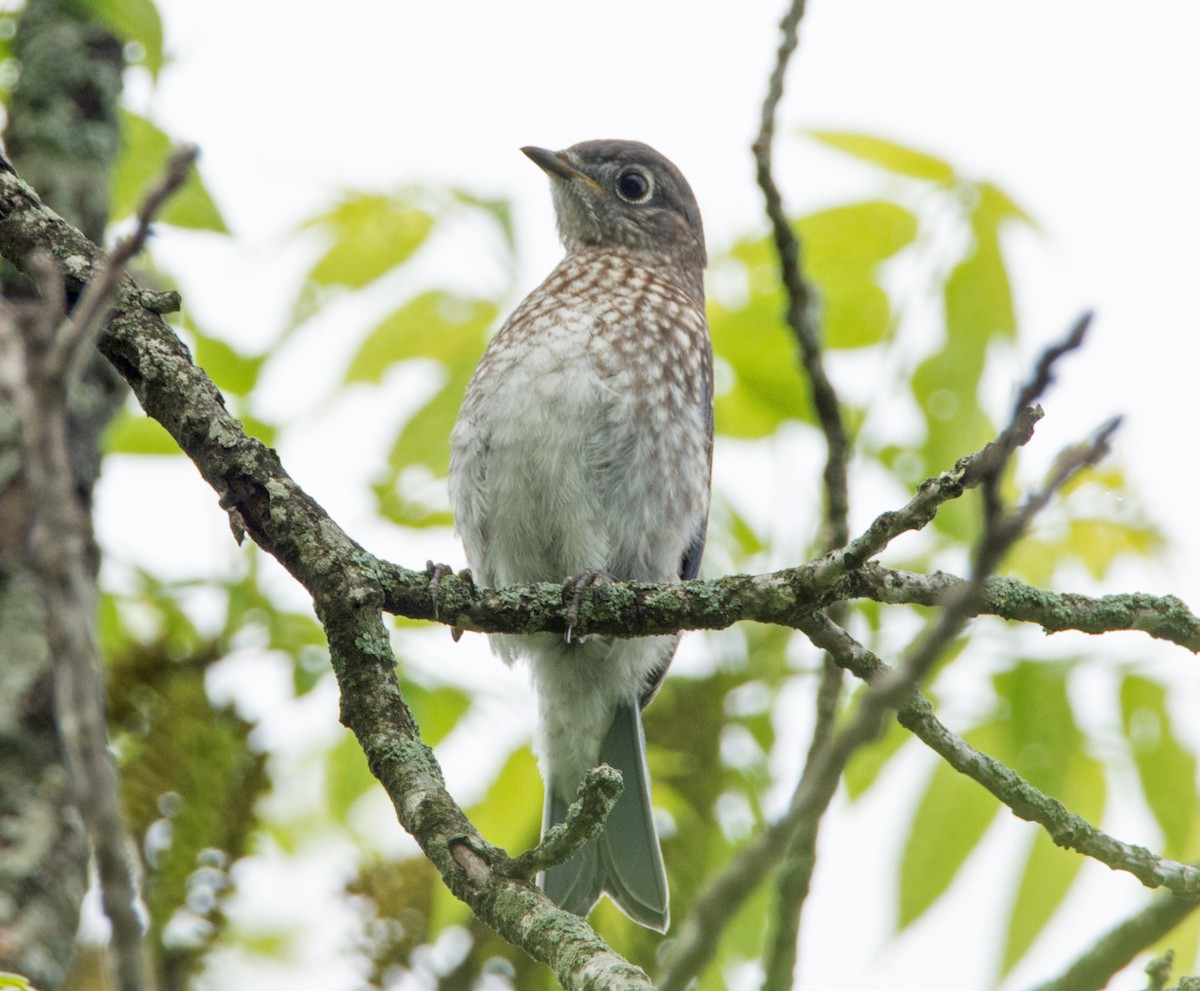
<point>634,186</point>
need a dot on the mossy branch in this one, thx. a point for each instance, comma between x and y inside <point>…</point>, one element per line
<point>343,579</point>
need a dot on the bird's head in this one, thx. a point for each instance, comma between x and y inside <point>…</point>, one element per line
<point>624,195</point>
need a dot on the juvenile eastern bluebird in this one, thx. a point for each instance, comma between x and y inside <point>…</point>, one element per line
<point>584,448</point>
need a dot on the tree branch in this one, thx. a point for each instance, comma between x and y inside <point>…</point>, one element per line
<point>800,316</point>
<point>1113,951</point>
<point>1067,830</point>
<point>800,303</point>
<point>1163,617</point>
<point>887,688</point>
<point>343,580</point>
<point>597,794</point>
<point>785,597</point>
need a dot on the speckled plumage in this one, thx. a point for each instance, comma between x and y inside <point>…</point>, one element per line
<point>584,444</point>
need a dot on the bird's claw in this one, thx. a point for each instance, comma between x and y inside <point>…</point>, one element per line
<point>435,573</point>
<point>574,587</point>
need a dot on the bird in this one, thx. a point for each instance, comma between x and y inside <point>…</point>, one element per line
<point>582,453</point>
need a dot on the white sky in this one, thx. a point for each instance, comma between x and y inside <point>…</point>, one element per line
<point>1084,112</point>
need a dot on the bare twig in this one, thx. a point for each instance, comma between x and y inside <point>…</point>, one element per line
<point>800,315</point>
<point>800,305</point>
<point>76,337</point>
<point>1043,373</point>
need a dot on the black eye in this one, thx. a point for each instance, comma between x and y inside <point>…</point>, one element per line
<point>633,186</point>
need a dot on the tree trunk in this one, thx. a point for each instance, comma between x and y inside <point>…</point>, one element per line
<point>62,137</point>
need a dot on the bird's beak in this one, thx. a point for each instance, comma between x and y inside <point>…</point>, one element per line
<point>555,166</point>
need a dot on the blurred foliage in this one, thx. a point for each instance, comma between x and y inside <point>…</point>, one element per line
<point>190,781</point>
<point>145,149</point>
<point>137,23</point>
<point>912,278</point>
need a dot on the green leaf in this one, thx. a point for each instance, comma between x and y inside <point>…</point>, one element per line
<point>232,371</point>
<point>953,816</point>
<point>843,248</point>
<point>394,505</point>
<point>978,296</point>
<point>425,438</point>
<point>347,777</point>
<point>144,152</point>
<point>136,21</point>
<point>133,433</point>
<point>436,325</point>
<point>436,710</point>
<point>855,234</point>
<point>891,156</point>
<point>1040,739</point>
<point>1042,742</point>
<point>868,762</point>
<point>1033,560</point>
<point>996,206</point>
<point>310,665</point>
<point>372,234</point>
<point>1097,543</point>
<point>511,813</point>
<point>292,632</point>
<point>733,525</point>
<point>259,429</point>
<point>1107,477</point>
<point>1050,870</point>
<point>979,310</point>
<point>758,353</point>
<point>1167,770</point>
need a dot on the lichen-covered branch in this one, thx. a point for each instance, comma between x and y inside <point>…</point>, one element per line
<point>1163,617</point>
<point>598,793</point>
<point>343,580</point>
<point>780,597</point>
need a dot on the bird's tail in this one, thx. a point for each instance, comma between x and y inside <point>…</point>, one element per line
<point>624,861</point>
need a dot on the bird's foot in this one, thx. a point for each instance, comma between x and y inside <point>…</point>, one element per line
<point>572,594</point>
<point>435,573</point>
